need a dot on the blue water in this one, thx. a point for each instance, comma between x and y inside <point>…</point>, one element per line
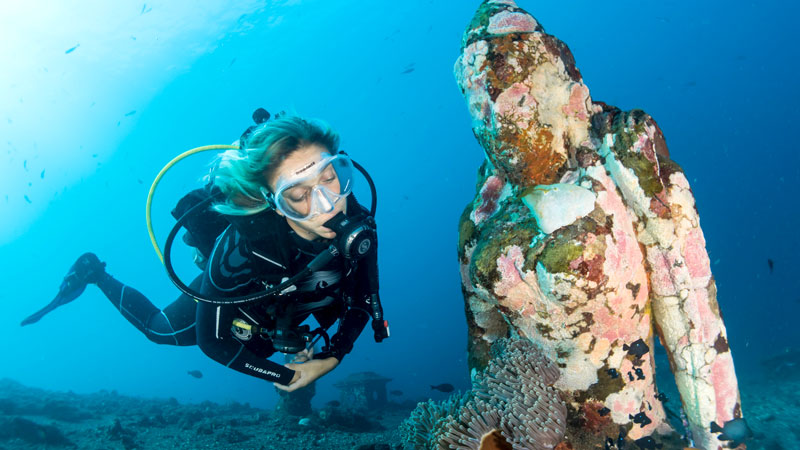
<point>719,78</point>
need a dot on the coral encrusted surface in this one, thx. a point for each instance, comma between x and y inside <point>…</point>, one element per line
<point>584,238</point>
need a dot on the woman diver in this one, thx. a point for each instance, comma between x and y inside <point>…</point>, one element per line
<point>284,239</point>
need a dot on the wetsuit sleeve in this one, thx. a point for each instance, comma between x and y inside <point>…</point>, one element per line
<point>350,328</point>
<point>215,339</point>
<point>359,312</point>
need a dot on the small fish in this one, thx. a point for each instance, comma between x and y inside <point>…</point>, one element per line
<point>130,113</point>
<point>333,404</point>
<point>637,349</point>
<point>195,373</point>
<point>445,387</point>
<point>25,165</point>
<point>735,430</point>
<point>663,397</point>
<point>396,393</point>
<point>639,373</point>
<point>771,265</point>
<point>409,70</point>
<point>647,443</point>
<point>613,373</point>
<point>145,9</point>
<point>603,411</point>
<point>42,175</point>
<point>621,439</point>
<point>630,376</point>
<point>70,50</point>
<point>232,61</point>
<point>641,419</point>
<point>27,199</point>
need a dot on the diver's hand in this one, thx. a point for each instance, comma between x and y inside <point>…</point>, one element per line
<point>307,372</point>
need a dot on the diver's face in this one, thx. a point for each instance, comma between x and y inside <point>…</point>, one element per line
<point>300,197</point>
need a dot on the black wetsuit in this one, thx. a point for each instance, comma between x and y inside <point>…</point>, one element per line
<point>239,266</point>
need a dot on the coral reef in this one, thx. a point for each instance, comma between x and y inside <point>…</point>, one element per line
<point>584,237</point>
<point>512,405</point>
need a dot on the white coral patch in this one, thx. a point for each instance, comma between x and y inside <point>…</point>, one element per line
<point>658,231</point>
<point>579,374</point>
<point>558,205</point>
<point>624,403</point>
<point>625,179</point>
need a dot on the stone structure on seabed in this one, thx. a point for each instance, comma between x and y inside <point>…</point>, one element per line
<point>363,390</point>
<point>584,239</point>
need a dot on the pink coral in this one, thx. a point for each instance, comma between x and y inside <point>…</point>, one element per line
<point>507,265</point>
<point>490,193</point>
<point>512,22</point>
<point>696,256</point>
<point>726,388</point>
<point>577,102</point>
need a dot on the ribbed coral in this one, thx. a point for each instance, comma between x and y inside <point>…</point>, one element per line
<point>511,401</point>
<point>428,421</point>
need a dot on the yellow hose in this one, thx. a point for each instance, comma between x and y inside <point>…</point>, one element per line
<point>158,178</point>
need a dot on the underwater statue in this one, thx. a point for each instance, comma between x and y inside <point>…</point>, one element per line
<point>584,238</point>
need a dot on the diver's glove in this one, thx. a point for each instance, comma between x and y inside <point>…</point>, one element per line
<point>380,326</point>
<point>381,330</point>
<point>87,269</point>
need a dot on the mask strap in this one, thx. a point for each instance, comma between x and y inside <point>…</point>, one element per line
<point>268,196</point>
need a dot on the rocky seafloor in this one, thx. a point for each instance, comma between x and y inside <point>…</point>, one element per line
<point>772,409</point>
<point>32,418</point>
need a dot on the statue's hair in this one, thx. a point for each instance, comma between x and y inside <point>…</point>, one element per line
<point>243,174</point>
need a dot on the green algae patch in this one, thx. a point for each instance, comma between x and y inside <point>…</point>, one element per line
<point>493,243</point>
<point>645,171</point>
<point>627,128</point>
<point>558,254</point>
<point>480,22</point>
<point>479,353</point>
<point>466,230</point>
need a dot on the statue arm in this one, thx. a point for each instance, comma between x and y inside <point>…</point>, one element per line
<point>683,293</point>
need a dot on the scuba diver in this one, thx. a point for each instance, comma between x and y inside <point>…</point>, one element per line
<point>280,237</point>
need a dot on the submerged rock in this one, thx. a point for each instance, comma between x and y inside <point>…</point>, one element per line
<point>584,238</point>
<point>32,432</point>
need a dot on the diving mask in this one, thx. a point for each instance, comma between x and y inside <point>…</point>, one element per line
<point>315,188</point>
